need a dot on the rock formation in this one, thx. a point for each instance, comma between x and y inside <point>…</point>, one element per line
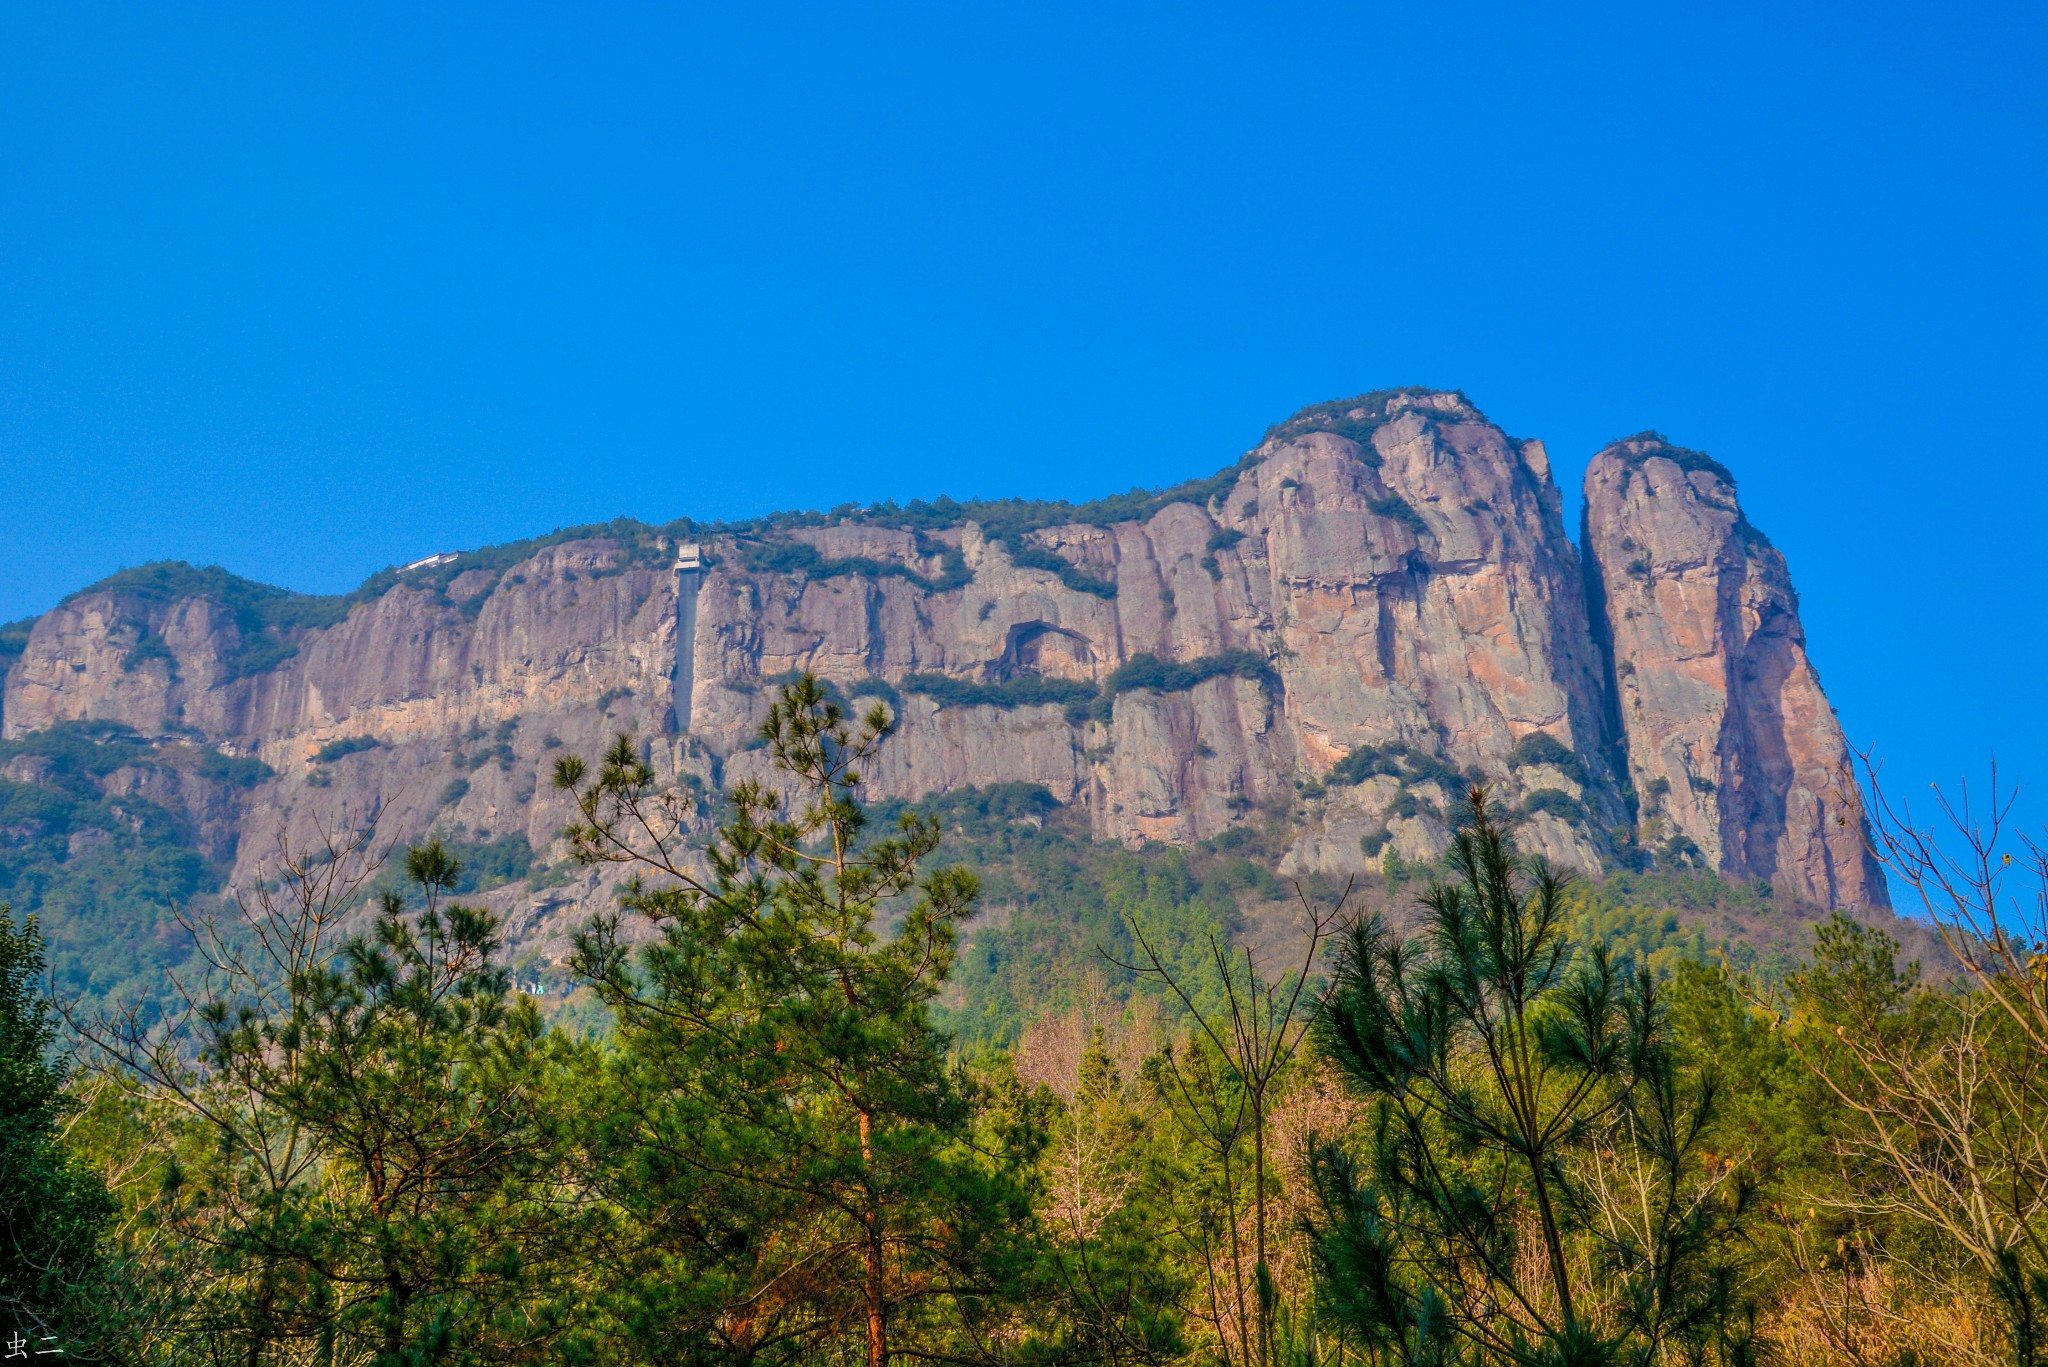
<point>1373,608</point>
<point>1732,747</point>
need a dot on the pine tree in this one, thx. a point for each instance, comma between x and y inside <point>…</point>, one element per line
<point>52,1212</point>
<point>377,1175</point>
<point>787,1130</point>
<point>1512,1077</point>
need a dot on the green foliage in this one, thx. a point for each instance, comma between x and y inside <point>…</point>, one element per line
<point>232,771</point>
<point>1065,902</point>
<point>1407,805</point>
<point>1540,747</point>
<point>1031,556</point>
<point>798,557</point>
<point>1163,676</point>
<point>639,545</point>
<point>1223,539</point>
<point>877,688</point>
<point>1680,913</point>
<point>1353,419</point>
<point>1060,1161</point>
<point>347,745</point>
<point>52,1211</point>
<point>149,646</point>
<point>259,606</point>
<point>270,620</point>
<point>1509,1075</point>
<point>500,751</point>
<point>1557,802</point>
<point>267,618</point>
<point>104,875</point>
<point>1397,509</point>
<point>489,864</point>
<point>80,751</point>
<point>1654,444</point>
<point>1008,518</point>
<point>1930,1099</point>
<point>1356,419</point>
<point>947,691</point>
<point>1401,762</point>
<point>1084,701</point>
<point>797,1105</point>
<point>1151,674</point>
<point>1011,521</point>
<point>374,1113</point>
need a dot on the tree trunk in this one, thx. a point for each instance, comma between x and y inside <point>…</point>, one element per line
<point>878,1317</point>
<point>1261,1274</point>
<point>1559,1276</point>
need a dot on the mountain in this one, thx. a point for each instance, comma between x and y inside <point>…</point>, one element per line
<point>1376,605</point>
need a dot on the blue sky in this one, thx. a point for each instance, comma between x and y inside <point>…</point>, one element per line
<point>305,291</point>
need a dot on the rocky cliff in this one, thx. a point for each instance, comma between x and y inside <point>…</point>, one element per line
<point>1732,749</point>
<point>1375,606</point>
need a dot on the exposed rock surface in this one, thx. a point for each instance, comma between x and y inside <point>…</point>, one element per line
<point>1731,744</point>
<point>1376,606</point>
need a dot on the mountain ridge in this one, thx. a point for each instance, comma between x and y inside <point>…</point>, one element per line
<point>942,511</point>
<point>1373,606</point>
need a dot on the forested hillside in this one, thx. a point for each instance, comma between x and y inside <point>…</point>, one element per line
<point>1163,1106</point>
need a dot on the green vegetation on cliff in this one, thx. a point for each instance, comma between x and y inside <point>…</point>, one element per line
<point>1356,419</point>
<point>1644,445</point>
<point>102,866</point>
<point>1085,701</point>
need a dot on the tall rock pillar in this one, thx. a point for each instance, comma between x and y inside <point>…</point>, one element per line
<point>1731,744</point>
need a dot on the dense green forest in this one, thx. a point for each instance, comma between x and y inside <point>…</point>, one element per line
<point>851,1102</point>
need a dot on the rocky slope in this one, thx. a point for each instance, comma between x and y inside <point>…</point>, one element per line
<point>1375,606</point>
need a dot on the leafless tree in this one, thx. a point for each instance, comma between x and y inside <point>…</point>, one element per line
<point>1949,1083</point>
<point>1222,1095</point>
<point>1988,900</point>
<point>255,959</point>
<point>1085,1056</point>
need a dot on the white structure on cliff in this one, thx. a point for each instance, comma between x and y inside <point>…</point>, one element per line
<point>689,569</point>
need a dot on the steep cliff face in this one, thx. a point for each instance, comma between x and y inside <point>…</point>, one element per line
<point>1731,744</point>
<point>426,705</point>
<point>1404,582</point>
<point>1373,608</point>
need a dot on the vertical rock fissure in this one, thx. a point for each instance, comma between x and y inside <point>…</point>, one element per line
<point>1613,735</point>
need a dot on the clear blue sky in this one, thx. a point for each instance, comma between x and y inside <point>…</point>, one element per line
<point>307,290</point>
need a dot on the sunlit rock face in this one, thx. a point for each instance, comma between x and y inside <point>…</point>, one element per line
<point>1731,744</point>
<point>1375,608</point>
